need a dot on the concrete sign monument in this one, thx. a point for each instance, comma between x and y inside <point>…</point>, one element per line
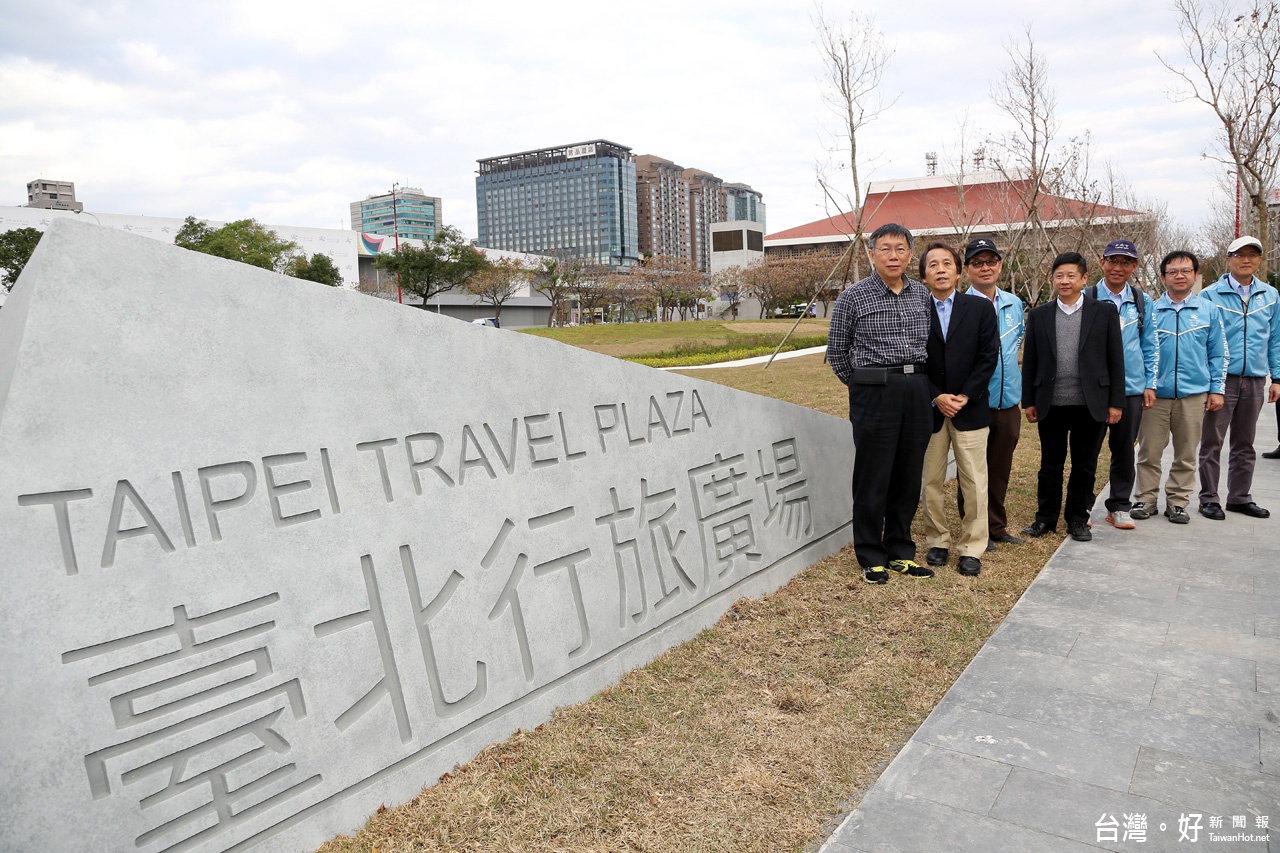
<point>275,554</point>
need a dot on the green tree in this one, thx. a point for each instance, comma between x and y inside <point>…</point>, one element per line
<point>441,265</point>
<point>245,240</point>
<point>16,247</point>
<point>319,267</point>
<point>555,278</point>
<point>498,284</point>
<point>193,234</point>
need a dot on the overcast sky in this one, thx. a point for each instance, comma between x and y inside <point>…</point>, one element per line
<point>288,111</point>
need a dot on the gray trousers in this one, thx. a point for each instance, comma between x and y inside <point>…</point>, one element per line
<point>1244,398</point>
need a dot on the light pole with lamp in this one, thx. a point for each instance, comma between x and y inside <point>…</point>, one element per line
<point>395,228</point>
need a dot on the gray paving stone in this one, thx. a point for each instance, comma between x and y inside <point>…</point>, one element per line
<point>1147,587</point>
<point>1267,626</point>
<point>1169,660</point>
<point>1121,629</point>
<point>1059,595</point>
<point>1230,581</point>
<point>1209,738</point>
<point>1070,809</point>
<point>888,822</point>
<point>1269,750</point>
<point>1267,582</point>
<point>1256,602</point>
<point>1233,621</point>
<point>1080,561</point>
<point>1268,677</point>
<point>1190,785</point>
<point>1036,638</point>
<point>1088,758</point>
<point>1004,671</point>
<point>1246,707</point>
<point>1247,648</point>
<point>951,778</point>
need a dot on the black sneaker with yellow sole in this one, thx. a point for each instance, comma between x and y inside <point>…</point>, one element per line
<point>910,568</point>
<point>875,574</point>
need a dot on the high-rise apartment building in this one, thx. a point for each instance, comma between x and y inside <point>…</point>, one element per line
<point>677,208</point>
<point>706,207</point>
<point>662,207</point>
<point>52,195</point>
<point>577,200</point>
<point>406,212</point>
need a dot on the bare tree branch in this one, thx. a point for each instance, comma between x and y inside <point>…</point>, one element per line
<point>1232,55</point>
<point>854,57</point>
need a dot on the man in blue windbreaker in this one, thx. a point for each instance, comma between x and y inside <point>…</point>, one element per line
<point>1119,263</point>
<point>982,266</point>
<point>1189,377</point>
<point>1251,316</point>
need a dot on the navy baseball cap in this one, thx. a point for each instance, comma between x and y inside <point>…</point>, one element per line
<point>1123,248</point>
<point>977,247</point>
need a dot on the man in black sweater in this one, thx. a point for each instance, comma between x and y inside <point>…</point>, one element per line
<point>1072,386</point>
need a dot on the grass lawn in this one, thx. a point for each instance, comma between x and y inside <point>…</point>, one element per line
<point>758,733</point>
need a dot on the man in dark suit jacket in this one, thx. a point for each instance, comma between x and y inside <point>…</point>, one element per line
<point>1072,386</point>
<point>963,349</point>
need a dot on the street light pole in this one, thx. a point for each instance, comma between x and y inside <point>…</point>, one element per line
<point>395,227</point>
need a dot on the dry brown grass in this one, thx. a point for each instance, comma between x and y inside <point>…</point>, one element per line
<point>753,736</point>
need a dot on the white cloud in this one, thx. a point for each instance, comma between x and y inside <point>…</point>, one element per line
<point>289,110</point>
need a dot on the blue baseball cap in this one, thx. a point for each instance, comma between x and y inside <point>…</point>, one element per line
<point>1123,248</point>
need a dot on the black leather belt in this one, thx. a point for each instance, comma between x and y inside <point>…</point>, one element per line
<point>905,368</point>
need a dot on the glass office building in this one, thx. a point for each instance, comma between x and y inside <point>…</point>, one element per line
<point>572,200</point>
<point>407,212</point>
<point>743,204</point>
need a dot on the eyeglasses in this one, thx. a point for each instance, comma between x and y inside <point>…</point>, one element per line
<point>896,251</point>
<point>1179,273</point>
<point>1251,255</point>
<point>986,262</point>
<point>1120,259</point>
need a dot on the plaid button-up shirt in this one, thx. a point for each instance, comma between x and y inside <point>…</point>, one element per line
<point>871,325</point>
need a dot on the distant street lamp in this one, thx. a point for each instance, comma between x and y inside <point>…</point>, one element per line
<point>395,228</point>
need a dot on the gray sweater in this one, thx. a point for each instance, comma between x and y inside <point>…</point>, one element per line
<point>1066,385</point>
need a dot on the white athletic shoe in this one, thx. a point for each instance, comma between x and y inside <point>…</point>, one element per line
<point>1121,520</point>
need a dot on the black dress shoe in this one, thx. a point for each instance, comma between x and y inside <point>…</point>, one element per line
<point>1250,509</point>
<point>1008,539</point>
<point>1037,529</point>
<point>937,556</point>
<point>991,546</point>
<point>1080,531</point>
<point>1213,511</point>
<point>969,566</point>
<point>1273,454</point>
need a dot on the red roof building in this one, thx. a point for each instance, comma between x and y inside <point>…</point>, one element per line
<point>954,206</point>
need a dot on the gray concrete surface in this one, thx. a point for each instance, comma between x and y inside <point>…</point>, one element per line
<point>1138,675</point>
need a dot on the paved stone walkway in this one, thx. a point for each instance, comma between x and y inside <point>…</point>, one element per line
<point>1138,675</point>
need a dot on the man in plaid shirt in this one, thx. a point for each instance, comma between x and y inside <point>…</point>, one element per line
<point>876,346</point>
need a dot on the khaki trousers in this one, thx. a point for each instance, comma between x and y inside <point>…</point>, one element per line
<point>1184,420</point>
<point>970,447</point>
